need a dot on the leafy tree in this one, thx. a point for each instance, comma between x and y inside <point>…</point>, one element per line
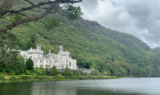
<point>29,44</point>
<point>20,16</point>
<point>96,72</point>
<point>21,62</point>
<point>23,44</point>
<point>67,71</point>
<point>59,75</point>
<point>54,70</point>
<point>38,71</point>
<point>46,69</point>
<point>27,72</point>
<point>29,64</point>
<point>17,72</point>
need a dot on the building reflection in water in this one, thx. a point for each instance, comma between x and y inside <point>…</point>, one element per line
<point>52,88</point>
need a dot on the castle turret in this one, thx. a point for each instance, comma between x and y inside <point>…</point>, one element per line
<point>38,47</point>
<point>60,49</point>
<point>49,51</point>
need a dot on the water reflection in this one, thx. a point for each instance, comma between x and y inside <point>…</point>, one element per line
<point>130,86</point>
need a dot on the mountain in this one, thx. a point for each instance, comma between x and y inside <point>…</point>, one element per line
<point>94,46</point>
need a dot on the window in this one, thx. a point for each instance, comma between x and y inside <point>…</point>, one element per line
<point>69,63</point>
<point>46,61</point>
<point>30,56</point>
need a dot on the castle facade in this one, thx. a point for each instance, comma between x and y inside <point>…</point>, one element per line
<point>60,60</point>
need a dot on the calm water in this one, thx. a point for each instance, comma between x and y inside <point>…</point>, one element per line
<point>123,86</point>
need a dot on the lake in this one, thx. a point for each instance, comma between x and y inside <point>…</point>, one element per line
<point>121,86</point>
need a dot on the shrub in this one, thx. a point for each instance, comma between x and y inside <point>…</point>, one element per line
<point>61,72</point>
<point>27,72</point>
<point>11,73</point>
<point>33,74</point>
<point>71,73</point>
<point>8,70</point>
<point>24,77</point>
<point>12,78</point>
<point>17,72</point>
<point>59,75</point>
<point>1,69</point>
<point>85,74</point>
<point>38,71</point>
<point>29,64</point>
<point>21,70</point>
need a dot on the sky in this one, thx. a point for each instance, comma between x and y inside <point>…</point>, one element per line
<point>140,18</point>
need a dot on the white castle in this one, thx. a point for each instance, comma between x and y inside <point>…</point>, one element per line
<point>60,60</point>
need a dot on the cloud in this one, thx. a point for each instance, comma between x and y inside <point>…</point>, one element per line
<point>140,18</point>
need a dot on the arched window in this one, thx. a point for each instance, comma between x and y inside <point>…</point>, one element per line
<point>69,63</point>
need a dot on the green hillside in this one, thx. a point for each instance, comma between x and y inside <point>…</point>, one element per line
<point>90,43</point>
<point>94,46</point>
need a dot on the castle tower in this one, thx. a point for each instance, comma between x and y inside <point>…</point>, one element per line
<point>38,47</point>
<point>60,49</point>
<point>49,51</point>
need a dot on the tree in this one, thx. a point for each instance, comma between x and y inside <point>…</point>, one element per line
<point>54,70</point>
<point>96,72</point>
<point>6,56</point>
<point>20,16</point>
<point>46,69</point>
<point>29,64</point>
<point>38,71</point>
<point>67,71</point>
<point>21,61</point>
<point>29,44</point>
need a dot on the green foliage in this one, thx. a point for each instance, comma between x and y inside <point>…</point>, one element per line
<point>17,72</point>
<point>51,22</point>
<point>67,71</point>
<point>59,75</point>
<point>11,73</point>
<point>54,70</point>
<point>46,69</point>
<point>73,12</point>
<point>23,44</point>
<point>27,72</point>
<point>85,74</point>
<point>8,70</point>
<point>71,73</point>
<point>29,64</point>
<point>1,69</point>
<point>21,70</point>
<point>96,72</point>
<point>17,17</point>
<point>38,71</point>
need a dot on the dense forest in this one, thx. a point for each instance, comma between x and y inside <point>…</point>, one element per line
<point>94,46</point>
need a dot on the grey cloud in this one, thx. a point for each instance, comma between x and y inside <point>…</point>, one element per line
<point>88,5</point>
<point>140,18</point>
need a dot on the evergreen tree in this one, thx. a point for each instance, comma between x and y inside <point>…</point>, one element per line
<point>29,44</point>
<point>29,64</point>
<point>67,71</point>
<point>46,69</point>
<point>54,70</point>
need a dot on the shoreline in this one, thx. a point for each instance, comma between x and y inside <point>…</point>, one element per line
<point>28,78</point>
